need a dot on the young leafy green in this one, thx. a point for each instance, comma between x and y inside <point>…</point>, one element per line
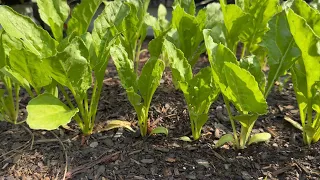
<point>54,13</point>
<point>282,49</point>
<point>139,89</point>
<point>237,86</point>
<point>306,75</point>
<point>199,91</point>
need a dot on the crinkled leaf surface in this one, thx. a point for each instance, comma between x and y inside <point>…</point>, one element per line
<point>311,15</point>
<point>243,90</point>
<point>189,31</point>
<point>181,69</point>
<point>54,13</point>
<point>36,39</point>
<point>252,64</point>
<point>31,67</point>
<point>82,15</point>
<point>282,49</point>
<point>260,12</point>
<point>48,113</point>
<point>188,6</point>
<point>71,67</point>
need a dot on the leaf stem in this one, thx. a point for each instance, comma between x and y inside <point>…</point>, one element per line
<point>76,117</point>
<point>226,101</point>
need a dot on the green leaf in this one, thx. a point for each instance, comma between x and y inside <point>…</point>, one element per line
<point>3,60</point>
<point>16,77</point>
<point>159,130</point>
<point>114,124</point>
<point>235,21</point>
<point>36,39</point>
<point>260,12</point>
<point>252,64</point>
<point>71,67</point>
<point>307,42</point>
<point>150,78</point>
<point>282,49</point>
<point>82,15</point>
<point>188,6</point>
<point>10,43</point>
<point>185,139</point>
<point>30,67</point>
<point>224,139</point>
<point>243,90</point>
<point>247,122</point>
<point>189,31</point>
<point>214,15</point>
<point>54,13</point>
<point>124,67</point>
<point>181,69</point>
<point>48,113</point>
<point>294,123</point>
<point>260,137</point>
<point>311,15</point>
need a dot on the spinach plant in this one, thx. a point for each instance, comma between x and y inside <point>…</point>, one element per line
<point>68,62</point>
<point>9,92</point>
<point>140,89</point>
<point>199,91</point>
<point>238,86</point>
<point>246,21</point>
<point>304,26</point>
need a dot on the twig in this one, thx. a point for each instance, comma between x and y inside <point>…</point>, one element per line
<point>32,136</point>
<point>84,167</point>
<point>65,155</point>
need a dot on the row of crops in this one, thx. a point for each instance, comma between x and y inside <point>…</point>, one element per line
<point>63,72</point>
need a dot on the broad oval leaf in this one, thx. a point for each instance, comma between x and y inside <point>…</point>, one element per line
<point>243,90</point>
<point>54,13</point>
<point>71,67</point>
<point>224,139</point>
<point>159,130</point>
<point>48,113</point>
<point>36,39</point>
<point>30,66</point>
<point>260,137</point>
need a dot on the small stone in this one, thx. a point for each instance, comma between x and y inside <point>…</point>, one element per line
<point>144,170</point>
<point>147,161</point>
<point>161,81</point>
<point>246,175</point>
<point>294,111</point>
<point>94,144</point>
<point>191,176</point>
<point>162,149</point>
<point>16,158</point>
<point>275,145</point>
<point>170,159</point>
<point>203,163</point>
<point>101,170</point>
<point>227,166</point>
<point>108,142</point>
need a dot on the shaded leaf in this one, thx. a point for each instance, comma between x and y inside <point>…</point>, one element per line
<point>159,130</point>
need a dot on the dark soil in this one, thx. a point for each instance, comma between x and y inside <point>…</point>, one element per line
<point>120,154</point>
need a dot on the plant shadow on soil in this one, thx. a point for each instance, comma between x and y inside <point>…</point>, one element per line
<point>160,157</point>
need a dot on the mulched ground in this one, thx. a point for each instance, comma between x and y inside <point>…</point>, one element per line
<point>120,154</point>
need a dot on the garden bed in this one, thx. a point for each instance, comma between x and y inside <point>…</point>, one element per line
<point>120,154</point>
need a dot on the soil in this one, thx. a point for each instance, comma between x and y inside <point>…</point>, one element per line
<point>121,154</point>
